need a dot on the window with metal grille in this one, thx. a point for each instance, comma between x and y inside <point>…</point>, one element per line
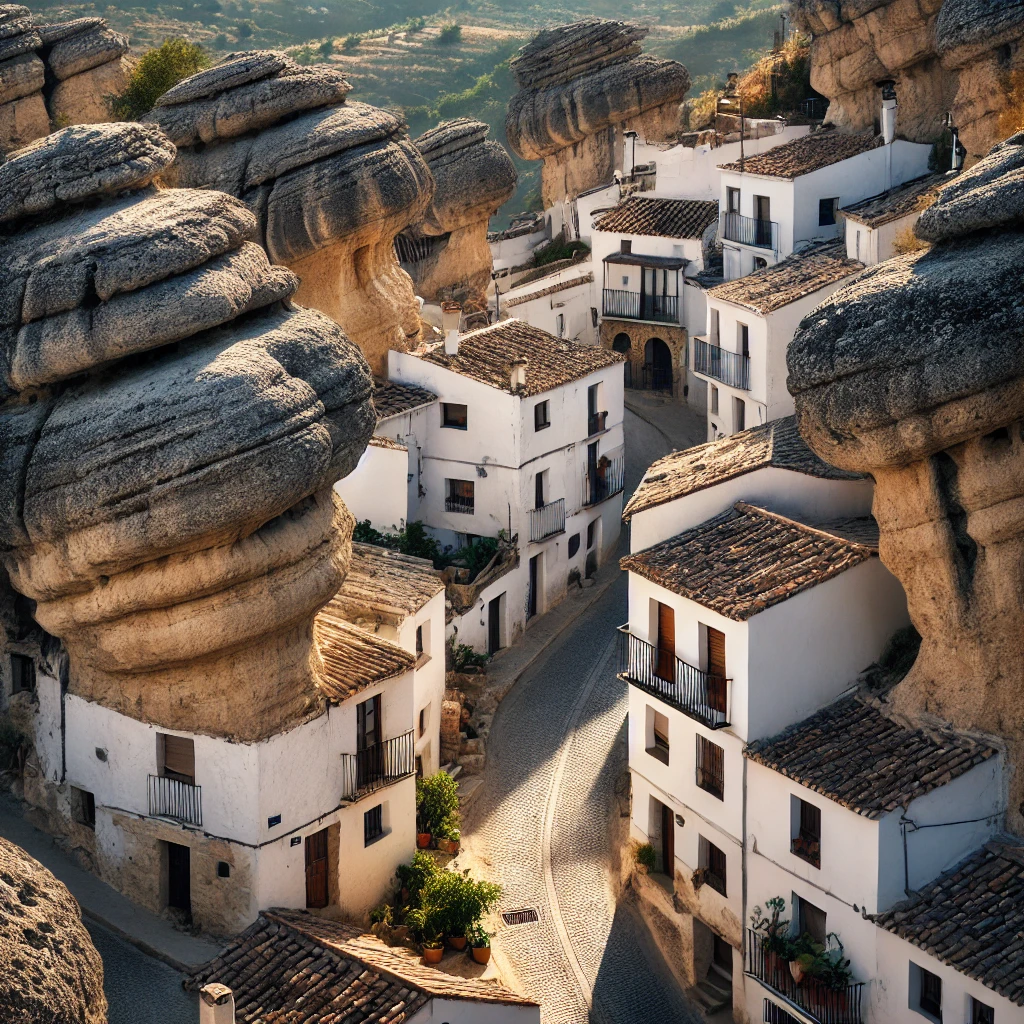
<point>83,807</point>
<point>373,824</point>
<point>981,1014</point>
<point>774,1014</point>
<point>459,496</point>
<point>710,767</point>
<point>23,674</point>
<point>712,860</point>
<point>930,996</point>
<point>806,830</point>
<point>453,415</point>
<point>541,416</point>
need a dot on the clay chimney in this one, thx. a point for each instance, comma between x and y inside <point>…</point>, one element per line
<point>451,317</point>
<point>216,1004</point>
<point>889,106</point>
<point>517,375</point>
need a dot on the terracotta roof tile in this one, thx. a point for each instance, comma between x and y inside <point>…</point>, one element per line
<point>808,153</point>
<point>385,583</point>
<point>857,756</point>
<point>666,218</point>
<point>379,441</point>
<point>486,355</point>
<point>972,917</point>
<point>793,278</point>
<point>913,197</point>
<point>777,443</point>
<point>551,289</point>
<point>393,399</point>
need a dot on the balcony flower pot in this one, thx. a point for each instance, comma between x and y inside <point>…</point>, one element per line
<point>423,840</point>
<point>457,942</point>
<point>481,954</point>
<point>797,971</point>
<point>432,954</point>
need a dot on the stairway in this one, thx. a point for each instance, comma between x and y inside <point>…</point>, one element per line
<point>715,991</point>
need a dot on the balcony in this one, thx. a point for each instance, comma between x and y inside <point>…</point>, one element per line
<point>761,234</point>
<point>713,361</point>
<point>378,766</point>
<point>547,520</point>
<point>601,483</point>
<point>814,1000</point>
<point>456,504</point>
<point>662,309</point>
<point>171,798</point>
<point>699,695</point>
<point>596,423</point>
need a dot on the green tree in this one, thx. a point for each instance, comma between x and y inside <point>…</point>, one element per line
<point>157,71</point>
<point>327,48</point>
<point>450,34</point>
<point>351,43</point>
<point>244,30</point>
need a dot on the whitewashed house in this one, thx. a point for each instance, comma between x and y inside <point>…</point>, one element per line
<point>377,489</point>
<point>562,303</point>
<point>527,441</point>
<point>750,323</point>
<point>644,252</point>
<point>778,202</point>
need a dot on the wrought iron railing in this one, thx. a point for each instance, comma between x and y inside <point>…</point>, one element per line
<point>645,377</point>
<point>381,765</point>
<point>172,798</point>
<point>762,234</point>
<point>464,505</point>
<point>596,422</point>
<point>627,305</point>
<point>601,483</point>
<point>696,693</point>
<point>815,1000</point>
<point>730,368</point>
<point>547,520</point>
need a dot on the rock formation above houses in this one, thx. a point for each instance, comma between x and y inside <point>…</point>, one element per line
<point>170,431</point>
<point>960,56</point>
<point>580,87</point>
<point>60,74</point>
<point>447,252</point>
<point>914,373</point>
<point>331,183</point>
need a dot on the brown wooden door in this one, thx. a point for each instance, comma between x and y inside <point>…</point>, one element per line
<point>716,669</point>
<point>666,659</point>
<point>316,869</point>
<point>668,841</point>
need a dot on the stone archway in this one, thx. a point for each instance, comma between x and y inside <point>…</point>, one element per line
<point>634,338</point>
<point>658,364</point>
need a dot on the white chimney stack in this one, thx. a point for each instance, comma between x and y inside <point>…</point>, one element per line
<point>451,318</point>
<point>216,1004</point>
<point>517,375</point>
<point>889,106</point>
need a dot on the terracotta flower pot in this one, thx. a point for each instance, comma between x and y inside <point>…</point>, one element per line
<point>796,971</point>
<point>432,955</point>
<point>450,846</point>
<point>423,840</point>
<point>457,942</point>
<point>481,954</point>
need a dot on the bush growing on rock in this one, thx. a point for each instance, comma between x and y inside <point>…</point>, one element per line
<point>157,71</point>
<point>450,34</point>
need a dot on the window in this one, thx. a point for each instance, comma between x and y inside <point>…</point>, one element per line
<point>710,767</point>
<point>83,807</point>
<point>419,639</point>
<point>806,831</point>
<point>714,326</point>
<point>593,316</point>
<point>810,920</point>
<point>452,415</point>
<point>373,824</point>
<point>925,992</point>
<point>626,245</point>
<point>858,246</point>
<point>176,758</point>
<point>424,718</point>
<point>827,212</point>
<point>419,767</point>
<point>459,496</point>
<point>538,489</point>
<point>763,213</point>
<point>591,532</point>
<point>743,339</point>
<point>981,1014</point>
<point>712,860</point>
<point>732,200</point>
<point>560,325</point>
<point>714,399</point>
<point>592,399</point>
<point>739,414</point>
<point>23,674</point>
<point>658,738</point>
<point>625,280</point>
<point>574,544</point>
<point>541,416</point>
<point>223,869</point>
<point>760,263</point>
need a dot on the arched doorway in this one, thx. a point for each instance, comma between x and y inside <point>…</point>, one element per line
<point>621,343</point>
<point>658,365</point>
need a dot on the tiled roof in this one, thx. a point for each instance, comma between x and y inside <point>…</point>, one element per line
<point>913,197</point>
<point>808,153</point>
<point>353,658</point>
<point>289,966</point>
<point>666,218</point>
<point>777,443</point>
<point>379,441</point>
<point>972,918</point>
<point>393,399</point>
<point>747,559</point>
<point>859,757</point>
<point>551,289</point>
<point>486,355</point>
<point>793,278</point>
<point>385,583</point>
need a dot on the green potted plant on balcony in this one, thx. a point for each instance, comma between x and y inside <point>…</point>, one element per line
<point>772,931</point>
<point>479,944</point>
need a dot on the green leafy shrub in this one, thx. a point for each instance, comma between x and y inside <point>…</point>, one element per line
<point>645,855</point>
<point>412,539</point>
<point>415,875</point>
<point>558,250</point>
<point>326,48</point>
<point>477,937</point>
<point>453,902</point>
<point>450,34</point>
<point>351,43</point>
<point>156,72</point>
<point>459,657</point>
<point>437,802</point>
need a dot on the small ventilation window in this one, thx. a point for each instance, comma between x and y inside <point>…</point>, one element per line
<point>223,869</point>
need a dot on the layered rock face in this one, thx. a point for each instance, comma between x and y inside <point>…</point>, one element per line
<point>447,254</point>
<point>170,431</point>
<point>331,184</point>
<point>49,968</point>
<point>961,56</point>
<point>581,86</point>
<point>56,75</point>
<point>915,373</point>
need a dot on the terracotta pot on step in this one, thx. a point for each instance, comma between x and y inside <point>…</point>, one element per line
<point>457,942</point>
<point>423,840</point>
<point>481,954</point>
<point>432,955</point>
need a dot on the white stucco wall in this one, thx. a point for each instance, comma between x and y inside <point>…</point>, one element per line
<point>876,244</point>
<point>410,429</point>
<point>378,488</point>
<point>589,203</point>
<point>469,1011</point>
<point>573,304</point>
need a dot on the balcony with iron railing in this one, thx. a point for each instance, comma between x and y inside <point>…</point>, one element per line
<point>547,520</point>
<point>602,482</point>
<point>812,998</point>
<point>761,234</point>
<point>380,765</point>
<point>453,503</point>
<point>696,693</point>
<point>731,368</point>
<point>172,798</point>
<point>627,305</point>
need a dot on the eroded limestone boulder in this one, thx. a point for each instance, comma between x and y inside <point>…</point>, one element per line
<point>330,182</point>
<point>580,87</point>
<point>49,968</point>
<point>447,254</point>
<point>914,373</point>
<point>170,434</point>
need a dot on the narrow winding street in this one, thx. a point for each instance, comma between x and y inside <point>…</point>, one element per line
<point>549,820</point>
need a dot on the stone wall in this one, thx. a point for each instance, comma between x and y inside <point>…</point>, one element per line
<point>639,334</point>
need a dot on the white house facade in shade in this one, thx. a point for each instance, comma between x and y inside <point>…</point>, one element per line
<point>562,303</point>
<point>378,488</point>
<point>527,441</point>
<point>790,197</point>
<point>750,323</point>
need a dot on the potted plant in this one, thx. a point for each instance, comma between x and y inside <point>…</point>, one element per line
<point>479,944</point>
<point>437,806</point>
<point>422,834</point>
<point>772,932</point>
<point>453,902</point>
<point>433,949</point>
<point>448,837</point>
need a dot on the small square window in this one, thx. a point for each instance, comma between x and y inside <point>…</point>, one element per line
<point>455,416</point>
<point>981,1013</point>
<point>712,860</point>
<point>223,869</point>
<point>626,245</point>
<point>827,212</point>
<point>625,280</point>
<point>23,674</point>
<point>541,416</point>
<point>806,832</point>
<point>373,824</point>
<point>83,807</point>
<point>460,496</point>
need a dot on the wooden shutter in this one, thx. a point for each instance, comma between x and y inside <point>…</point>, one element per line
<point>666,642</point>
<point>177,758</point>
<point>716,653</point>
<point>316,869</point>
